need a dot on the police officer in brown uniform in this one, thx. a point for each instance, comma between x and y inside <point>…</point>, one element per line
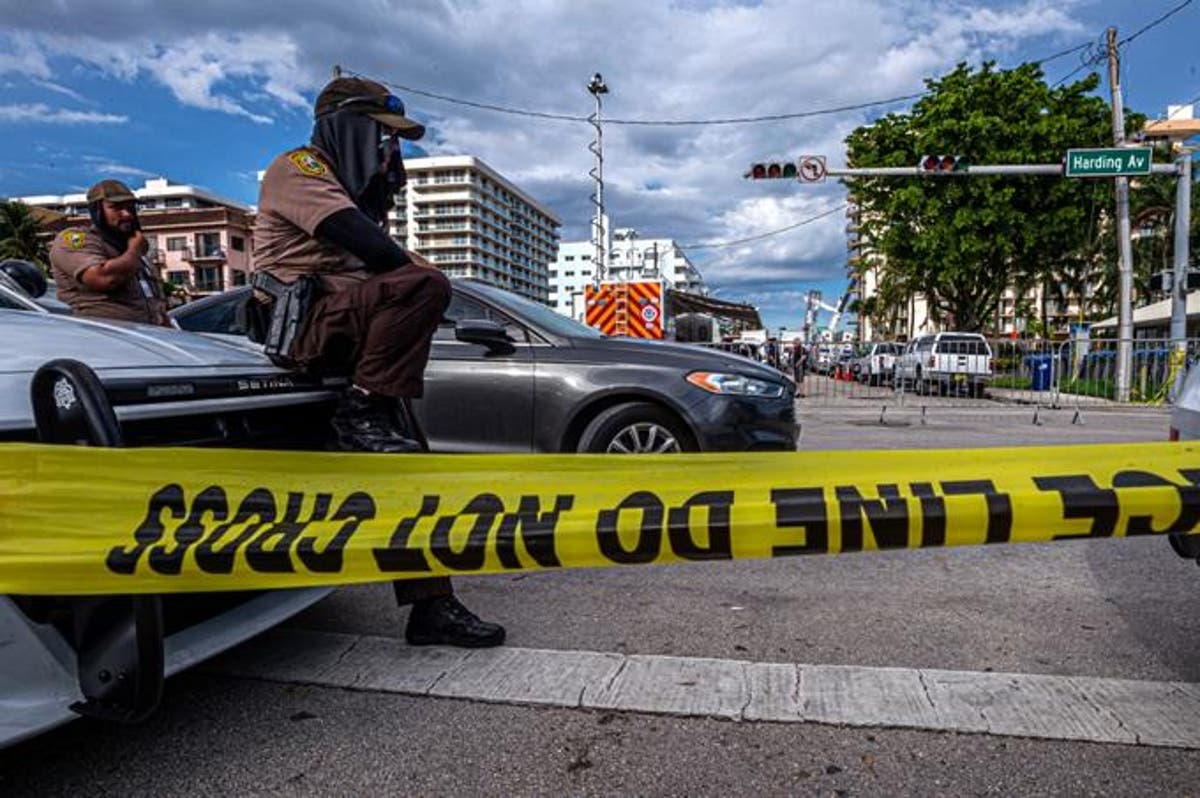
<point>101,270</point>
<point>320,213</point>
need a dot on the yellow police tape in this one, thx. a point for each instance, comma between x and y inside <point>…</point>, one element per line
<point>79,520</point>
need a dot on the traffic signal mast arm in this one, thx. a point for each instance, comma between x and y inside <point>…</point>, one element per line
<point>973,169</point>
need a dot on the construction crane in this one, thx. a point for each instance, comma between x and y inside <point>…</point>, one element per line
<point>814,304</point>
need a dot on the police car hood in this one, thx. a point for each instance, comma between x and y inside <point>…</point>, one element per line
<point>31,339</point>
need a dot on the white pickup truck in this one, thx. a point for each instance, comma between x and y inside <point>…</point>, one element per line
<point>948,362</point>
<point>877,362</point>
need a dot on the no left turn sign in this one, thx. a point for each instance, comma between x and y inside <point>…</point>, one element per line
<point>812,168</point>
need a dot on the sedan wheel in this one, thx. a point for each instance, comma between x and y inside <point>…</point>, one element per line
<point>636,428</point>
<point>645,438</point>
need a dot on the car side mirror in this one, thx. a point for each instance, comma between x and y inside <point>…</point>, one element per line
<point>483,332</point>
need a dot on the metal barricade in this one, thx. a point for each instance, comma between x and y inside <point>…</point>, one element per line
<point>1088,372</point>
<point>964,371</point>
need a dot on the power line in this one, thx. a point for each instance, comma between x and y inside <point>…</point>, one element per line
<point>650,122</point>
<point>740,120</point>
<point>1155,23</point>
<point>760,236</point>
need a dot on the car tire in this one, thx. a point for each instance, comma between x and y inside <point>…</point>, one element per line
<point>636,428</point>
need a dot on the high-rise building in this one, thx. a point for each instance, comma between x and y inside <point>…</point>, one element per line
<point>198,240</point>
<point>470,221</point>
<point>629,258</point>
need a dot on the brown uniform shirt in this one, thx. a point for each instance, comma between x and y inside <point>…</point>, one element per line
<point>140,298</point>
<point>298,192</point>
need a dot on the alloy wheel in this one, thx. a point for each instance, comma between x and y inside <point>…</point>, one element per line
<point>644,437</point>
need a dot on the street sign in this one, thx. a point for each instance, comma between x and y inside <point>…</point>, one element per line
<point>1109,162</point>
<point>812,168</point>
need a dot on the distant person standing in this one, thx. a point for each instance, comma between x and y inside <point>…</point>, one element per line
<point>101,270</point>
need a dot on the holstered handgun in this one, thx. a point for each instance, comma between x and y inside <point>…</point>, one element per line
<point>289,311</point>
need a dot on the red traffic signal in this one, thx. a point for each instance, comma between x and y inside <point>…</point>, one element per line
<point>772,170</point>
<point>943,163</point>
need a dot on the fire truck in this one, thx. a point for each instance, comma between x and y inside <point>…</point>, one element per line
<point>633,309</point>
<point>653,309</point>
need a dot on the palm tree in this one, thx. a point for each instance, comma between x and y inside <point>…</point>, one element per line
<point>19,234</point>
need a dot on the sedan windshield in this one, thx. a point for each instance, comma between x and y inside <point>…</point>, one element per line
<point>538,315</point>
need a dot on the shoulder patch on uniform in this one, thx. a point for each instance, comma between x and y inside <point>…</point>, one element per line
<point>308,163</point>
<point>74,239</point>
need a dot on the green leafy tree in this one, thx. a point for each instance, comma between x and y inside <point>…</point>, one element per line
<point>19,234</point>
<point>961,241</point>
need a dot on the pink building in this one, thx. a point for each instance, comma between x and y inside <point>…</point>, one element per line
<point>199,241</point>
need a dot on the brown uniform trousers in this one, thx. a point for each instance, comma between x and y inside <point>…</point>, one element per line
<point>384,326</point>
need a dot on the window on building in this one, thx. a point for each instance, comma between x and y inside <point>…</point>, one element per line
<point>176,243</point>
<point>553,274</point>
<point>239,277</point>
<point>208,278</point>
<point>569,257</point>
<point>177,277</point>
<point>237,243</point>
<point>585,257</point>
<point>173,202</point>
<point>208,245</point>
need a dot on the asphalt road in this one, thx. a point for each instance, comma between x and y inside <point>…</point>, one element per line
<point>1123,609</point>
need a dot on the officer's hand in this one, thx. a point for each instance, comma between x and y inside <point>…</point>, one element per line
<point>420,260</point>
<point>138,243</point>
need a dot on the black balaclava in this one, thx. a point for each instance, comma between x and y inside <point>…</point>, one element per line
<point>115,238</point>
<point>352,141</point>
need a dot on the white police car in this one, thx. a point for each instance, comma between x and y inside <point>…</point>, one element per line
<point>165,387</point>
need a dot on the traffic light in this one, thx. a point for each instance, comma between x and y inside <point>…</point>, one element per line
<point>774,170</point>
<point>1165,280</point>
<point>943,163</point>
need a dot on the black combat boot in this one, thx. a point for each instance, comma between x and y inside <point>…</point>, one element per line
<point>366,422</point>
<point>444,621</point>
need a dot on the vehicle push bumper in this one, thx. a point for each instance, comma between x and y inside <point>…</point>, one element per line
<point>106,656</point>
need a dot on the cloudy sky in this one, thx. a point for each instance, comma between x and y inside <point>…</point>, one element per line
<point>208,92</point>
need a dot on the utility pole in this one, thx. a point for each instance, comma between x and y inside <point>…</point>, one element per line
<point>1124,240</point>
<point>1179,285</point>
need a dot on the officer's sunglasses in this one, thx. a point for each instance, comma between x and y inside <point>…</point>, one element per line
<point>391,103</point>
<point>389,146</point>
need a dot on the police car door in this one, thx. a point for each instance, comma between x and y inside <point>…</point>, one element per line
<point>478,398</point>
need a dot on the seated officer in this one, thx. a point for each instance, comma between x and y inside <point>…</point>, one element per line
<point>101,270</point>
<point>321,211</point>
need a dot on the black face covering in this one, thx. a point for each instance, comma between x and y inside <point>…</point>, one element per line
<point>352,141</point>
<point>114,237</point>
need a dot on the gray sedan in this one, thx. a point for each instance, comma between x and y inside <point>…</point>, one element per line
<point>510,375</point>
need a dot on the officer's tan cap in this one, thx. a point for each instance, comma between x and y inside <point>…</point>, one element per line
<point>370,98</point>
<point>111,190</point>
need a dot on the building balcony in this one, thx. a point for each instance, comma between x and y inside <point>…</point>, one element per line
<point>204,256</point>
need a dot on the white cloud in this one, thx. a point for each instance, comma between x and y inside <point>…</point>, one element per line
<point>661,60</point>
<point>107,166</point>
<point>60,89</point>
<point>40,113</point>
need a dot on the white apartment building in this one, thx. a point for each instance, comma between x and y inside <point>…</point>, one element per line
<point>470,221</point>
<point>629,258</point>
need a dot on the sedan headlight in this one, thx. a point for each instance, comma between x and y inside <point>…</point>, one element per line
<point>735,384</point>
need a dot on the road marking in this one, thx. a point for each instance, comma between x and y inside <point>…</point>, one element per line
<point>1161,714</point>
